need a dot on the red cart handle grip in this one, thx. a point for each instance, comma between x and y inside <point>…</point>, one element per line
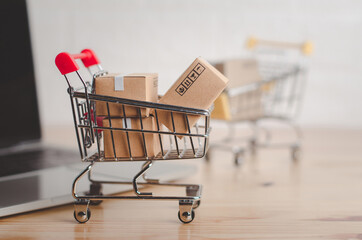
<point>66,62</point>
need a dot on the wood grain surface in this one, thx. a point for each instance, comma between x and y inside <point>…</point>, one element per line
<point>268,197</point>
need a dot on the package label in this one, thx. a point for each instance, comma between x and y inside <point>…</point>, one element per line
<point>126,123</point>
<point>119,83</point>
<point>190,79</point>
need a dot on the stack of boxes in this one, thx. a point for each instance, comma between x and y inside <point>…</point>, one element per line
<point>198,87</point>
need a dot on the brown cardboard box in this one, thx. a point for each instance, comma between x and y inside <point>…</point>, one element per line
<point>198,87</point>
<point>221,108</point>
<point>135,138</point>
<point>247,106</point>
<point>239,71</point>
<point>140,86</point>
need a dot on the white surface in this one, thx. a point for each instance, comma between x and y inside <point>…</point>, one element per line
<point>166,36</point>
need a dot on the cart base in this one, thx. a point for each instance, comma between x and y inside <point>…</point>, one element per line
<point>187,204</point>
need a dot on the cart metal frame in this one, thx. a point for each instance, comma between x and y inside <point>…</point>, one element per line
<point>190,145</point>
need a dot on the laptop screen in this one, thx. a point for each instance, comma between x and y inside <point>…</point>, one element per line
<point>19,121</point>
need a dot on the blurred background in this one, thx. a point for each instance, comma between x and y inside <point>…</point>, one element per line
<point>166,36</point>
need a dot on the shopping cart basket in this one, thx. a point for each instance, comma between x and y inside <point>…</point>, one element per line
<point>90,130</point>
<point>277,96</point>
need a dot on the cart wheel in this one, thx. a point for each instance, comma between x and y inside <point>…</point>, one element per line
<point>295,152</point>
<point>186,217</point>
<point>253,147</point>
<point>208,155</point>
<point>197,204</point>
<point>238,159</point>
<point>81,216</point>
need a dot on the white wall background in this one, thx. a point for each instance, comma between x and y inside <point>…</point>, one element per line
<point>165,36</point>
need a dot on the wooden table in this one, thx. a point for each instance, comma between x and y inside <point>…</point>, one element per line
<point>266,198</point>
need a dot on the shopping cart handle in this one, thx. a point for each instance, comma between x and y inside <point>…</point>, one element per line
<point>305,47</point>
<point>66,62</point>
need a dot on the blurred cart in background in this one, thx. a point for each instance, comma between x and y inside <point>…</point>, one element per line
<point>91,129</point>
<point>274,93</point>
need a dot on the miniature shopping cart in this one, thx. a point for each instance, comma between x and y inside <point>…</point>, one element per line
<point>277,96</point>
<point>90,130</point>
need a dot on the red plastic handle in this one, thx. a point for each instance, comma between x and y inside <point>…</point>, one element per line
<point>66,62</point>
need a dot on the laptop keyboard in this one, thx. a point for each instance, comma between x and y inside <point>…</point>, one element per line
<point>35,160</point>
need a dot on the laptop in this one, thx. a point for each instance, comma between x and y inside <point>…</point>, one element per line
<point>32,175</point>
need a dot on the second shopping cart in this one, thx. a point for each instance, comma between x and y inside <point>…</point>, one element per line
<point>267,86</point>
